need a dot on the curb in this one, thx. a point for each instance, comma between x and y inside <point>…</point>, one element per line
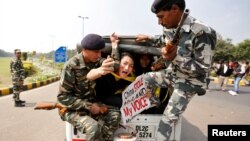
<point>230,81</point>
<point>6,91</point>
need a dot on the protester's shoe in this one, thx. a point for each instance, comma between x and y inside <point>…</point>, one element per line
<point>21,101</point>
<point>19,104</point>
<point>233,93</point>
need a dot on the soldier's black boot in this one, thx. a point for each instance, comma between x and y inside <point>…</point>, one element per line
<point>21,101</point>
<point>19,104</point>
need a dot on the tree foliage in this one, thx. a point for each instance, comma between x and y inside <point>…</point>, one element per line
<point>227,51</point>
<point>5,54</point>
<point>24,56</point>
<point>50,55</point>
<point>242,51</point>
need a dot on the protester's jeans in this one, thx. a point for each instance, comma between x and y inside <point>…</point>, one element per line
<point>237,83</point>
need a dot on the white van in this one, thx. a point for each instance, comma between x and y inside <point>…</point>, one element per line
<point>142,127</point>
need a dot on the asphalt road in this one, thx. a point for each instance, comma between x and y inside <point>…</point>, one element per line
<point>216,107</point>
<point>27,124</point>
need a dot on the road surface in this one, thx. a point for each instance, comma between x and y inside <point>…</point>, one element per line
<point>216,107</point>
<point>27,124</point>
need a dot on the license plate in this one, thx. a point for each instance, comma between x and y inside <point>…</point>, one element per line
<point>145,131</point>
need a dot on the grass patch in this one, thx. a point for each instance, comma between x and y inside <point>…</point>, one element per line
<point>5,77</point>
<point>39,72</point>
<point>5,66</point>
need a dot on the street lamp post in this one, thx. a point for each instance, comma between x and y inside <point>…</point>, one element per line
<point>52,45</point>
<point>83,23</point>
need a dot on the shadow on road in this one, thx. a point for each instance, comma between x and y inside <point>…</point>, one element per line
<point>190,132</point>
<point>30,104</point>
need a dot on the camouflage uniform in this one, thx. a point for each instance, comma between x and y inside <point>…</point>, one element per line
<point>78,93</point>
<point>189,70</point>
<point>18,75</point>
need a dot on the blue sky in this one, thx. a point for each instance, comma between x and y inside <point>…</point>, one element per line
<point>44,25</point>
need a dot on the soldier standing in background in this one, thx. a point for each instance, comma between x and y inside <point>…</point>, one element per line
<point>18,76</point>
<point>190,58</point>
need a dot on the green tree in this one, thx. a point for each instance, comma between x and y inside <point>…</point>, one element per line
<point>242,50</point>
<point>224,49</point>
<point>5,54</point>
<point>24,56</point>
<point>71,53</point>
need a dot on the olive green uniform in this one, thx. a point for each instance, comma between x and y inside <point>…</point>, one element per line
<point>78,94</point>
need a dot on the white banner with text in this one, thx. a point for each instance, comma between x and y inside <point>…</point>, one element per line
<point>134,99</point>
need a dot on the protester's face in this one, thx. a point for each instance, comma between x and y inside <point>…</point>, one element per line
<point>126,66</point>
<point>91,55</point>
<point>144,61</point>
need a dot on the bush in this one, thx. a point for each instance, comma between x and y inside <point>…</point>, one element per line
<point>29,68</point>
<point>27,65</point>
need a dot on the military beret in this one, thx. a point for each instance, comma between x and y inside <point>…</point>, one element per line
<point>93,42</point>
<point>17,50</point>
<point>159,5</point>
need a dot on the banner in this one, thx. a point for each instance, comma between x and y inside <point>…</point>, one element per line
<point>134,99</point>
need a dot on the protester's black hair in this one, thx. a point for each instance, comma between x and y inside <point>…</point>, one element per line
<point>123,54</point>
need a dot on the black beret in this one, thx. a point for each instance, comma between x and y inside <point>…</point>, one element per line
<point>159,5</point>
<point>93,42</point>
<point>17,50</point>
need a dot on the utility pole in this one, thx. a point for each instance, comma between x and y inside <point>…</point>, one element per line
<point>52,46</point>
<point>83,23</point>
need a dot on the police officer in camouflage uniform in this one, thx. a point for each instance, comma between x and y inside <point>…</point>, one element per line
<point>77,91</point>
<point>18,76</point>
<point>190,60</point>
